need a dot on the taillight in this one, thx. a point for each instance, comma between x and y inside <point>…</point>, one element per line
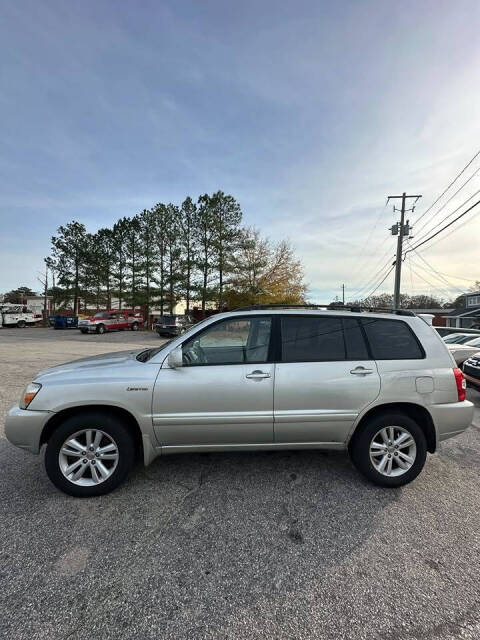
<point>461,384</point>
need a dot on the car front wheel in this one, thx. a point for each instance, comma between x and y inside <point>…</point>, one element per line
<point>135,326</point>
<point>89,454</point>
<point>390,450</point>
<point>101,329</point>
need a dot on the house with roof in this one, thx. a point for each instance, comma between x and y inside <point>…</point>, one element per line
<point>468,315</point>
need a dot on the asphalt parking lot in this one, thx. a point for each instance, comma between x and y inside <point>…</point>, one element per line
<point>257,545</point>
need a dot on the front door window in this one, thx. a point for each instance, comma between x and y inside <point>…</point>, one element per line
<point>233,341</point>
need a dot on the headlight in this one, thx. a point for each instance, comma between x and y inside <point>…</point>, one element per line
<point>29,393</point>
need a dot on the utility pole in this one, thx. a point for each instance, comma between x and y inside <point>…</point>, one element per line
<point>400,229</point>
<point>44,283</point>
<point>45,297</point>
<point>343,294</point>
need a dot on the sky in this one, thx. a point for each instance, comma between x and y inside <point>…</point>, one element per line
<point>308,112</point>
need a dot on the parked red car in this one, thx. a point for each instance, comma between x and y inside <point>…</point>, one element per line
<point>110,321</point>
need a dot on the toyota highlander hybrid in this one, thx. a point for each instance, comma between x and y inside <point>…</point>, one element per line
<point>381,386</point>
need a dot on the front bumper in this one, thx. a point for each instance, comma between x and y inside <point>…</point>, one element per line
<point>23,427</point>
<point>91,328</point>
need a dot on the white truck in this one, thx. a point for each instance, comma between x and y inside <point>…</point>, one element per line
<point>17,315</point>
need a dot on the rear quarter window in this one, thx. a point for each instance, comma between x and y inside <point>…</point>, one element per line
<point>391,340</point>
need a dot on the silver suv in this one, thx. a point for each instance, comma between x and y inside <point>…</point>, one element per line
<point>381,386</point>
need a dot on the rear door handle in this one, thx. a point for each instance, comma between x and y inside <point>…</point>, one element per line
<point>361,371</point>
<point>258,375</point>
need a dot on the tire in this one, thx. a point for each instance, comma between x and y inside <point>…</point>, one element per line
<point>370,439</point>
<point>21,324</point>
<point>135,326</point>
<point>101,329</point>
<point>83,331</point>
<point>113,430</point>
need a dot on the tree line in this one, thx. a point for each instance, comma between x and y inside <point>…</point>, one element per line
<point>420,301</point>
<point>198,252</point>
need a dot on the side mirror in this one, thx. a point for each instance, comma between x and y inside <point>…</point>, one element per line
<point>175,358</point>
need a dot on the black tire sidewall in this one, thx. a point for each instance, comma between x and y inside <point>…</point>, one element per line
<point>135,326</point>
<point>100,329</point>
<point>94,419</point>
<point>360,449</point>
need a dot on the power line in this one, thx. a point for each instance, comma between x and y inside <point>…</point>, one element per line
<point>442,290</point>
<point>441,279</point>
<point>450,275</point>
<point>443,228</point>
<point>381,282</point>
<point>426,223</point>
<point>373,278</point>
<point>449,186</point>
<point>375,269</point>
<point>437,273</point>
<point>451,213</point>
<point>449,233</point>
<point>386,253</point>
<point>360,262</point>
<point>411,274</point>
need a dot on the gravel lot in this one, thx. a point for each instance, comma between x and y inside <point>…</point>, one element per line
<point>271,545</point>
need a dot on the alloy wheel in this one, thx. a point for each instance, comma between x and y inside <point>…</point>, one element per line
<point>88,457</point>
<point>393,451</point>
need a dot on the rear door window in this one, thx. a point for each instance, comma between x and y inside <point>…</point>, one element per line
<point>354,340</point>
<point>322,339</point>
<point>391,340</point>
<point>312,339</point>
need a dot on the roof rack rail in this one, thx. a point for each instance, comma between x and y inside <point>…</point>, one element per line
<point>328,307</point>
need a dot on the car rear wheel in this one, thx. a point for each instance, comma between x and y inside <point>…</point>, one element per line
<point>135,326</point>
<point>83,330</point>
<point>21,324</point>
<point>101,329</point>
<point>390,450</point>
<point>89,454</point>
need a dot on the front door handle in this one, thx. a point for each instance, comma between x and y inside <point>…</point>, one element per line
<point>361,371</point>
<point>258,375</point>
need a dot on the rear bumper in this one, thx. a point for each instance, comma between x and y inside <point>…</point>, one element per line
<point>451,419</point>
<point>24,427</point>
<point>168,331</point>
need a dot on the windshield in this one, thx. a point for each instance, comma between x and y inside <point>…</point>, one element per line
<point>473,343</point>
<point>456,338</point>
<point>101,315</point>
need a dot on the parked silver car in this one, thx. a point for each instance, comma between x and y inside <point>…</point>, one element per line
<point>381,386</point>
<point>458,338</point>
<point>461,352</point>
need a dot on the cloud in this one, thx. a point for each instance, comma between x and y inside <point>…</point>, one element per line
<point>309,113</point>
